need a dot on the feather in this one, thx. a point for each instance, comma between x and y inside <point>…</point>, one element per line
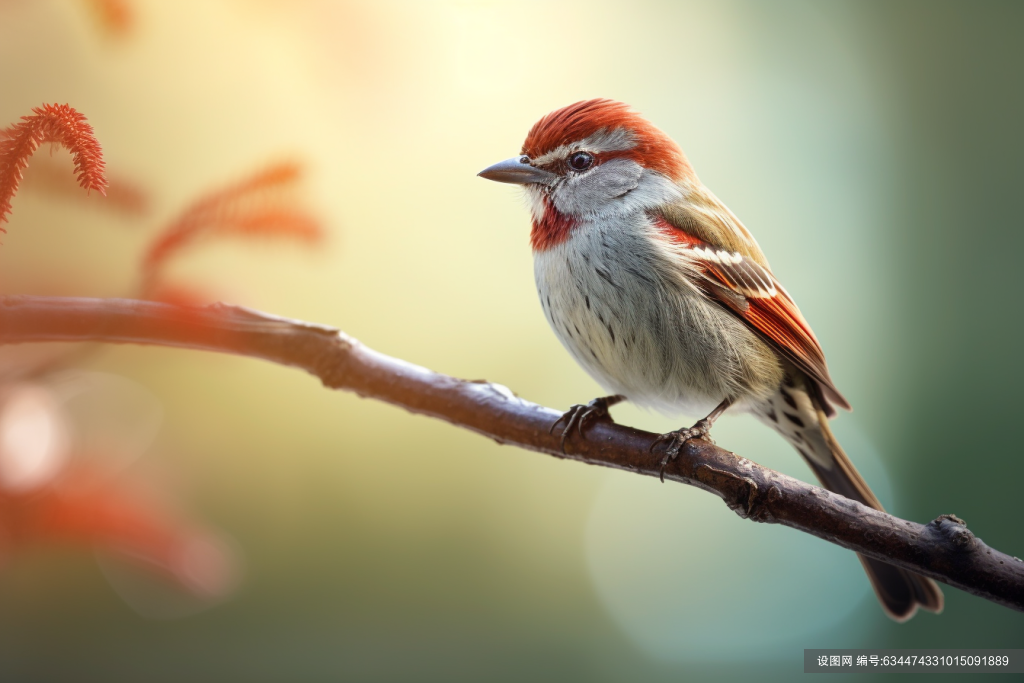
<point>730,276</point>
<point>703,216</point>
<point>600,117</point>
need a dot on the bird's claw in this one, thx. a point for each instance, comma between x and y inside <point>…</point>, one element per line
<point>677,440</point>
<point>580,414</point>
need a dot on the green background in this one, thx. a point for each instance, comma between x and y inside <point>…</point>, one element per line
<point>874,148</point>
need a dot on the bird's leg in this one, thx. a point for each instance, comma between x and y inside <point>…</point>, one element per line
<point>697,431</point>
<point>579,415</point>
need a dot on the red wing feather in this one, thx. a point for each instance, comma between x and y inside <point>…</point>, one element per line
<point>779,320</point>
<point>751,292</point>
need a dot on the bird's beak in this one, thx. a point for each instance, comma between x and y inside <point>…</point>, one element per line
<point>517,170</point>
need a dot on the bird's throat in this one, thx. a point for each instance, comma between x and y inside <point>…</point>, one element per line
<point>551,229</point>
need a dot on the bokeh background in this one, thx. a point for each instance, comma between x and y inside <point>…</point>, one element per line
<point>875,150</point>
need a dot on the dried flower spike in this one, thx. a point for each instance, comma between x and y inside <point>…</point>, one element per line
<point>262,205</point>
<point>57,123</point>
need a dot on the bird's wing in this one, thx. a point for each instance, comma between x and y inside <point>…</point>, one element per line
<point>703,215</point>
<point>749,290</point>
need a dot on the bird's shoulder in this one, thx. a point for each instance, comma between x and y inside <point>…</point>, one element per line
<point>701,215</point>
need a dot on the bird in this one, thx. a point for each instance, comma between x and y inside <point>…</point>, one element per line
<point>664,297</point>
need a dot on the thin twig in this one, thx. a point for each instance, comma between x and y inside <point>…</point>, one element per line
<point>943,549</point>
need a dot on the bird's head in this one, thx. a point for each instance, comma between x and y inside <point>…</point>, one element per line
<point>591,160</point>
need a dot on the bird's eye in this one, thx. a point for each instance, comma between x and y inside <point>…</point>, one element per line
<point>581,161</point>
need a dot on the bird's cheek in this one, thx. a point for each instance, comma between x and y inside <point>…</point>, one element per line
<point>608,182</point>
<point>535,196</point>
<point>592,196</point>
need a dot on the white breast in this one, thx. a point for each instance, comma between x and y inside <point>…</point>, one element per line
<point>621,304</point>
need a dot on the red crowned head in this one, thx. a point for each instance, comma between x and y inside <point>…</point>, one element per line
<point>590,161</point>
<point>604,119</point>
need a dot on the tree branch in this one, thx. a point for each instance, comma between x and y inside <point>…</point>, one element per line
<point>943,549</point>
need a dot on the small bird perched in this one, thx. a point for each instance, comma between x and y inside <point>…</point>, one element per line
<point>665,299</point>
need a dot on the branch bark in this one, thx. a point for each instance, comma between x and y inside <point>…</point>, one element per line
<point>943,549</point>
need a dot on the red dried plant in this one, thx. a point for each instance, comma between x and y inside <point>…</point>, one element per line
<point>78,504</point>
<point>63,479</point>
<point>49,174</point>
<point>262,205</point>
<point>117,515</point>
<point>57,123</point>
<point>116,17</point>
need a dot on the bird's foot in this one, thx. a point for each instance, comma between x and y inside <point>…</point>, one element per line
<point>676,440</point>
<point>581,414</point>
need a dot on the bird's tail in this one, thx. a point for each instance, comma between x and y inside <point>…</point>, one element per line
<point>797,413</point>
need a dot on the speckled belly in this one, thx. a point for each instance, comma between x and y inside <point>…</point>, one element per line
<point>638,327</point>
